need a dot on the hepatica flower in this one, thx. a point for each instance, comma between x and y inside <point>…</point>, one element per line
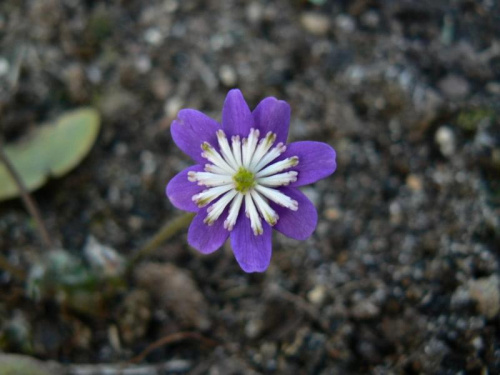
<point>246,178</point>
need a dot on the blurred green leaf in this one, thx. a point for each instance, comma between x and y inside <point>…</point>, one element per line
<point>73,283</point>
<point>14,364</point>
<point>51,150</point>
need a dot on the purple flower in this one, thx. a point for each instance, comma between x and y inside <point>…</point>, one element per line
<point>246,178</point>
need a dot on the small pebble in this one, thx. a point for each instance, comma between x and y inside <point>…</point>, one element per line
<point>414,182</point>
<point>173,106</point>
<point>396,213</point>
<point>94,75</point>
<point>365,309</point>
<point>445,138</point>
<point>254,12</point>
<point>315,23</point>
<point>370,19</point>
<point>170,6</point>
<point>143,64</point>
<point>103,258</point>
<point>345,23</point>
<point>486,293</point>
<point>116,101</point>
<point>454,87</point>
<point>4,66</point>
<point>227,76</point>
<point>160,86</point>
<point>478,343</point>
<point>493,88</point>
<point>253,328</point>
<point>175,290</point>
<point>333,214</point>
<point>317,295</point>
<point>153,36</point>
<point>148,161</point>
<point>75,77</point>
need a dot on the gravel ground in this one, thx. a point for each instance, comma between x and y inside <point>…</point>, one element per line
<point>401,275</point>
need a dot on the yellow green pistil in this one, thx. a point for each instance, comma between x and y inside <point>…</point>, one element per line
<point>244,180</point>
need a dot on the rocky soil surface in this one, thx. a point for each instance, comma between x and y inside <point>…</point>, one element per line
<point>402,273</point>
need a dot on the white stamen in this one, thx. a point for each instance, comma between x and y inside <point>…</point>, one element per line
<point>253,215</point>
<point>217,170</point>
<point>226,150</point>
<point>207,196</point>
<point>236,143</point>
<point>253,159</point>
<point>270,156</point>
<point>278,197</point>
<point>218,207</point>
<point>281,179</point>
<point>263,147</point>
<point>209,179</point>
<point>249,146</point>
<point>278,167</point>
<point>210,154</point>
<point>269,215</point>
<point>234,210</point>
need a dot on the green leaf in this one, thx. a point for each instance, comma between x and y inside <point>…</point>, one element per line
<point>50,151</point>
<point>15,364</point>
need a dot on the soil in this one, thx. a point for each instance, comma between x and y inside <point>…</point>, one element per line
<point>401,275</point>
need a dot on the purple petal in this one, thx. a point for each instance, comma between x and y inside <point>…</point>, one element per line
<point>204,238</point>
<point>180,190</point>
<point>316,161</point>
<point>272,115</point>
<point>236,116</point>
<point>191,129</point>
<point>298,224</point>
<point>252,252</point>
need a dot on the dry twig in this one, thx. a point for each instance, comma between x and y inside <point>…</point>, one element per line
<point>28,200</point>
<point>171,339</point>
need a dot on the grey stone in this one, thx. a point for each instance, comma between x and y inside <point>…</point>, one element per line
<point>454,87</point>
<point>315,23</point>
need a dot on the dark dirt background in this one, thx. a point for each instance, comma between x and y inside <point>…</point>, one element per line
<point>401,275</point>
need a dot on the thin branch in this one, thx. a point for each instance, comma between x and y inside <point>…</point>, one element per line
<point>171,339</point>
<point>28,200</point>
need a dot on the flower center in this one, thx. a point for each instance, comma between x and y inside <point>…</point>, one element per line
<point>248,171</point>
<point>244,180</point>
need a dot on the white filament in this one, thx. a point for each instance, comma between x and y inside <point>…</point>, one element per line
<point>255,156</point>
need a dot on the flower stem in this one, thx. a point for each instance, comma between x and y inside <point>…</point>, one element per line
<point>169,229</point>
<point>28,200</point>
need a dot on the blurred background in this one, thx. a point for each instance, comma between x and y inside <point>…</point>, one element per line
<point>401,275</point>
